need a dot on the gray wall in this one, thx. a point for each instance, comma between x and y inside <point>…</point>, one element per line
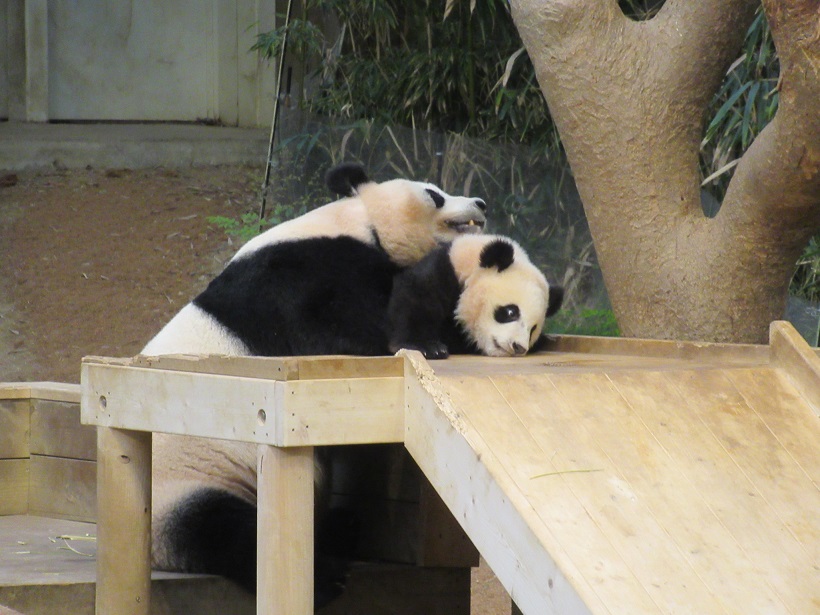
<point>137,60</point>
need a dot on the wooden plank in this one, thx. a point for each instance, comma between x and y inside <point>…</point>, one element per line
<point>177,402</point>
<point>627,557</point>
<point>791,353</point>
<point>271,368</point>
<point>706,505</point>
<point>715,353</point>
<point>63,488</point>
<point>56,391</point>
<point>782,461</point>
<point>124,522</point>
<point>284,562</point>
<point>15,390</point>
<point>585,426</point>
<point>56,431</point>
<point>293,413</point>
<point>348,411</point>
<point>14,428</point>
<point>484,500</point>
<point>14,486</point>
<point>249,367</point>
<point>318,368</point>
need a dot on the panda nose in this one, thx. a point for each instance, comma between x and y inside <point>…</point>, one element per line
<point>518,349</point>
<point>481,204</point>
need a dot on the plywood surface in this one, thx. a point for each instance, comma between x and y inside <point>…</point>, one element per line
<point>615,484</point>
<point>31,552</point>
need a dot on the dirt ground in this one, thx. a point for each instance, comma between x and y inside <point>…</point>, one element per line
<point>95,262</point>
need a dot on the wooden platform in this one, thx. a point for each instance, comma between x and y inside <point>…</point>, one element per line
<point>602,476</point>
<point>40,574</point>
<point>647,478</point>
<point>48,483</point>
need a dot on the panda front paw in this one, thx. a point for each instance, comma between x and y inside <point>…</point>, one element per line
<point>435,350</point>
<point>431,349</point>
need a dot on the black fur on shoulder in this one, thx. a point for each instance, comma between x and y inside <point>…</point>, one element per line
<point>212,531</point>
<point>316,296</point>
<point>421,313</point>
<point>344,179</point>
<point>498,253</point>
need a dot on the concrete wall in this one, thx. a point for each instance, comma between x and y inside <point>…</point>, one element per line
<point>135,60</point>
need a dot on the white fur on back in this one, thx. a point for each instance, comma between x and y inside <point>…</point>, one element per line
<point>194,331</point>
<point>343,217</point>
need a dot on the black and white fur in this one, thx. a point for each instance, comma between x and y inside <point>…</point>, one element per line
<point>478,294</point>
<point>377,225</point>
<point>317,284</point>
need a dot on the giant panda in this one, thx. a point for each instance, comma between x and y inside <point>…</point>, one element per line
<point>317,284</point>
<point>478,294</point>
<point>327,258</point>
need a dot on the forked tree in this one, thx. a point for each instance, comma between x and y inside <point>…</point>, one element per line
<point>629,100</point>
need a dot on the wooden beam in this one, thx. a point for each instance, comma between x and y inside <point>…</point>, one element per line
<point>284,535</point>
<point>284,413</point>
<point>56,431</point>
<point>484,503</point>
<point>792,353</point>
<point>14,486</point>
<point>345,411</point>
<point>124,522</point>
<point>62,488</point>
<point>55,391</point>
<point>663,349</point>
<point>15,427</point>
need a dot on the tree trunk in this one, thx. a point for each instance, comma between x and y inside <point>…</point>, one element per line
<point>629,100</point>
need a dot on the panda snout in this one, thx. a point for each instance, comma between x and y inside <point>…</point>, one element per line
<point>518,349</point>
<point>481,204</point>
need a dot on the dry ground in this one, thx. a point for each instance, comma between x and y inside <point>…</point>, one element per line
<point>94,262</point>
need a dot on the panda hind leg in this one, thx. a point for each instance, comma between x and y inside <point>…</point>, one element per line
<point>214,532</point>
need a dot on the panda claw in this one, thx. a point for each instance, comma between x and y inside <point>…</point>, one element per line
<point>435,350</point>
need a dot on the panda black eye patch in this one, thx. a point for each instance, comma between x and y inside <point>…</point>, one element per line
<point>438,200</point>
<point>507,313</point>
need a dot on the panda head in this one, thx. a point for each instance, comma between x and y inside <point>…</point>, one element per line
<point>409,218</point>
<point>504,298</point>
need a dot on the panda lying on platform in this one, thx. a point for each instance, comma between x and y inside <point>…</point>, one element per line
<point>317,284</point>
<point>478,294</point>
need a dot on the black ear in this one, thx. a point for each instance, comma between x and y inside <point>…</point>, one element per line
<point>498,253</point>
<point>555,300</point>
<point>345,178</point>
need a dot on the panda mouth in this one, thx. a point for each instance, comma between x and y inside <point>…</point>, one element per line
<point>467,227</point>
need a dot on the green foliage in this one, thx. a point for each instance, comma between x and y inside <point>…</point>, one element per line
<point>450,67</point>
<point>599,322</point>
<point>243,228</point>
<point>806,280</point>
<point>640,10</point>
<point>304,38</point>
<point>746,101</point>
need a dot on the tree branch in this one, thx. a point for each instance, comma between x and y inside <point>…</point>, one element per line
<point>782,167</point>
<point>697,41</point>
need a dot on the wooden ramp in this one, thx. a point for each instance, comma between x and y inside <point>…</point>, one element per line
<point>632,477</point>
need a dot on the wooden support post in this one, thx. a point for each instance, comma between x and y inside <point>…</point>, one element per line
<point>284,536</point>
<point>123,522</point>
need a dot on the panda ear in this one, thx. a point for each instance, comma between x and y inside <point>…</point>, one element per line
<point>497,253</point>
<point>344,179</point>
